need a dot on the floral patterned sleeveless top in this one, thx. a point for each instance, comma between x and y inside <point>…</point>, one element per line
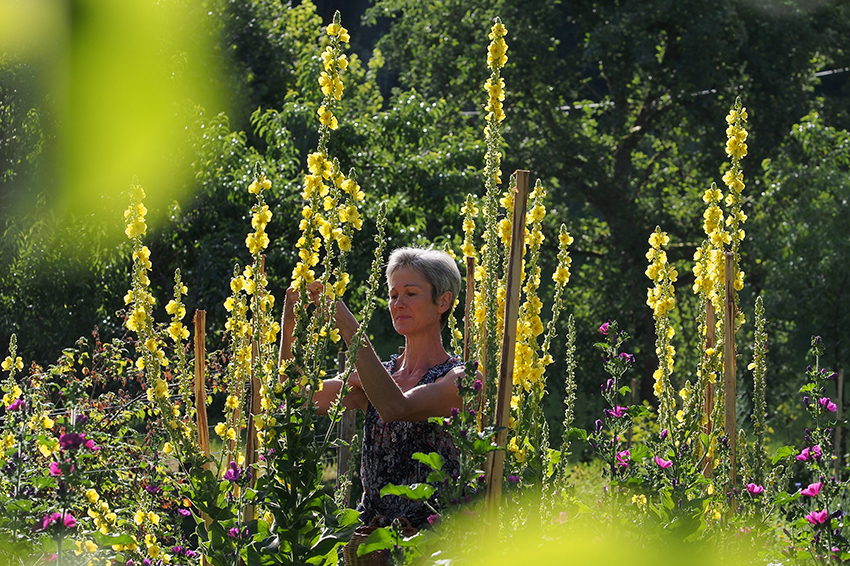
<point>387,457</point>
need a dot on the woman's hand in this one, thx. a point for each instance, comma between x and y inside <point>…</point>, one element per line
<point>287,322</point>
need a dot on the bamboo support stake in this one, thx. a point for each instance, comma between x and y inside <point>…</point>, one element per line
<point>345,431</point>
<point>730,384</point>
<point>708,406</point>
<point>839,451</point>
<point>506,365</point>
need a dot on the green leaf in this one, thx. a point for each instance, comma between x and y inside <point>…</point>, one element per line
<point>380,539</point>
<point>575,433</point>
<point>20,505</point>
<point>415,492</point>
<point>625,390</point>
<point>108,540</point>
<point>482,446</point>
<point>432,459</point>
<point>782,453</point>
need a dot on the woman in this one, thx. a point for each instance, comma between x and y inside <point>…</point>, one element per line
<point>399,396</point>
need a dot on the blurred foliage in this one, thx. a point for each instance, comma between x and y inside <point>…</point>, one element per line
<point>618,107</point>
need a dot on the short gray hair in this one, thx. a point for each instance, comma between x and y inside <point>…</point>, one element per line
<point>437,267</point>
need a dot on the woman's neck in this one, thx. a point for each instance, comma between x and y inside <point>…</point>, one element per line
<point>421,354</point>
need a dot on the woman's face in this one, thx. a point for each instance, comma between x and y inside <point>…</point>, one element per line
<point>411,306</point>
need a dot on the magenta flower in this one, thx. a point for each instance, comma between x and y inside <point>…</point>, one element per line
<point>662,463</point>
<point>813,490</point>
<point>71,440</point>
<point>628,357</point>
<point>827,403</point>
<point>817,517</point>
<point>183,512</point>
<point>816,452</point>
<point>16,405</point>
<point>754,489</point>
<point>623,458</point>
<point>67,520</point>
<point>54,468</point>
<point>433,519</point>
<point>803,456</point>
<point>617,412</point>
<point>604,328</point>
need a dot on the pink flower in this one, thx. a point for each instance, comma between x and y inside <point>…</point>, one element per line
<point>813,490</point>
<point>827,403</point>
<point>623,458</point>
<point>16,405</point>
<point>803,456</point>
<point>816,452</point>
<point>817,517</point>
<point>67,520</point>
<point>754,489</point>
<point>604,328</point>
<point>662,463</point>
<point>55,470</point>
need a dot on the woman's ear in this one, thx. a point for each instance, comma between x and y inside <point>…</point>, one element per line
<point>444,301</point>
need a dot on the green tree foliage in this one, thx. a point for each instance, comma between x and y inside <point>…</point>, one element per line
<point>622,105</point>
<point>803,253</point>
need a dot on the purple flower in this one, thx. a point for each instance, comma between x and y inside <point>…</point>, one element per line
<point>130,562</point>
<point>71,440</point>
<point>455,412</point>
<point>608,385</point>
<point>817,517</point>
<point>146,562</point>
<point>813,490</point>
<point>234,473</point>
<point>827,403</point>
<point>183,512</point>
<point>754,489</point>
<point>623,458</point>
<point>662,463</point>
<point>604,328</point>
<point>54,468</point>
<point>16,405</point>
<point>513,479</point>
<point>433,519</point>
<point>628,357</point>
<point>664,434</point>
<point>598,425</point>
<point>233,532</point>
<point>153,489</point>
<point>476,386</point>
<point>617,412</point>
<point>816,452</point>
<point>803,455</point>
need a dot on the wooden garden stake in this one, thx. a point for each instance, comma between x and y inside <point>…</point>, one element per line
<point>839,451</point>
<point>730,384</point>
<point>506,365</point>
<point>708,406</point>
<point>345,431</point>
<point>200,386</point>
<point>201,399</point>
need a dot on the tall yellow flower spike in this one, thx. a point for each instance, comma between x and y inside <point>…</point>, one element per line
<point>661,298</point>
